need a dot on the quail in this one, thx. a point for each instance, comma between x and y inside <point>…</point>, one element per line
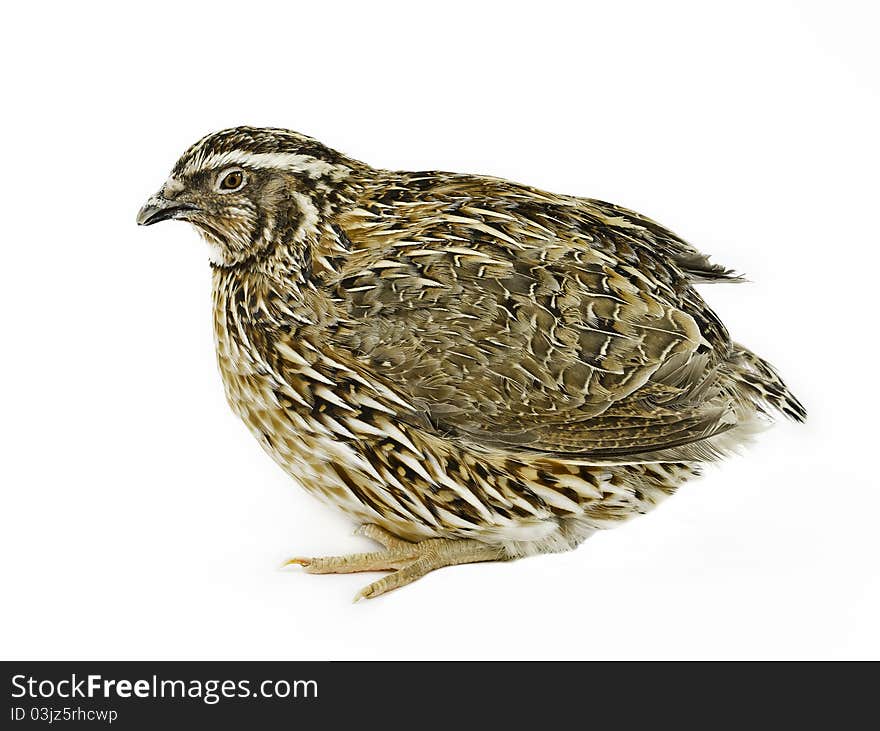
<point>471,368</point>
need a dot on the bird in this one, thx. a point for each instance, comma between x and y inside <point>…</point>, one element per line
<point>471,369</point>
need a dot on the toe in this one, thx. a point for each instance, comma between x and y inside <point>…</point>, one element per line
<point>381,536</point>
<point>403,576</point>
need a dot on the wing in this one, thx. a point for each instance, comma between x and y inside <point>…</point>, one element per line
<point>528,321</point>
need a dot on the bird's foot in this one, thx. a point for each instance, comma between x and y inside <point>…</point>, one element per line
<point>408,560</point>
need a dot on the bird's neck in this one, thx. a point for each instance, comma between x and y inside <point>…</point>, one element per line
<point>280,293</point>
<point>283,288</point>
<point>273,300</point>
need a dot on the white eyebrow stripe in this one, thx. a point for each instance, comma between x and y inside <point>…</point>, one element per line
<point>293,162</point>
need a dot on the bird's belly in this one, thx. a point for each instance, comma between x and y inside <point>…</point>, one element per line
<point>293,440</point>
<point>420,485</point>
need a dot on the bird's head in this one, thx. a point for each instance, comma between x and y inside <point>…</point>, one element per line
<point>248,189</point>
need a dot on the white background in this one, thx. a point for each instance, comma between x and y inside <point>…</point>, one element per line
<point>139,518</point>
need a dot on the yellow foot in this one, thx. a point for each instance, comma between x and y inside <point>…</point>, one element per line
<point>409,561</point>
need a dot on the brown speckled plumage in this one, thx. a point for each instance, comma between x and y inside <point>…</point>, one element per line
<point>477,367</point>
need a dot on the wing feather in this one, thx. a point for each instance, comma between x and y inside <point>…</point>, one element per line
<point>529,321</point>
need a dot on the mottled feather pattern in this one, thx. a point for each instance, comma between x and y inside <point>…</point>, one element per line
<point>460,356</point>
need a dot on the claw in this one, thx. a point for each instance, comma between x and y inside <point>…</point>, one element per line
<point>297,561</point>
<point>360,595</point>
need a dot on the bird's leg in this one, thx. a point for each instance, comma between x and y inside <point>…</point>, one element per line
<point>408,560</point>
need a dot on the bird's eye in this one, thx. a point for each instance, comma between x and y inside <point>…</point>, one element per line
<point>233,180</point>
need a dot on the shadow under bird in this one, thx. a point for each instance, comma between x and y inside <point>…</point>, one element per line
<point>472,369</point>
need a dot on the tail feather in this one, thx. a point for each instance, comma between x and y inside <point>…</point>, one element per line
<point>761,383</point>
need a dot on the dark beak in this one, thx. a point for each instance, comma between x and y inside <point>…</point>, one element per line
<point>159,208</point>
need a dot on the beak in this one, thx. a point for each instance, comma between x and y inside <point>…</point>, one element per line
<point>158,208</point>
